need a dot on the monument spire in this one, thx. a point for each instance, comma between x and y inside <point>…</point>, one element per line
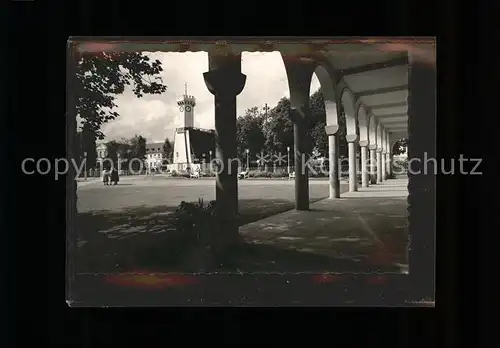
<point>185,88</point>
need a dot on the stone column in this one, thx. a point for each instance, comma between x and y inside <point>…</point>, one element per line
<point>388,165</point>
<point>373,164</point>
<point>384,173</point>
<point>391,158</point>
<point>421,185</point>
<point>379,165</point>
<point>353,177</point>
<point>71,185</point>
<point>364,163</point>
<point>301,169</point>
<point>333,159</point>
<point>225,81</point>
<point>299,72</point>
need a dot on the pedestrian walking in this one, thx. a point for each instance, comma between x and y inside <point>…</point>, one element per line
<point>114,176</point>
<point>105,177</point>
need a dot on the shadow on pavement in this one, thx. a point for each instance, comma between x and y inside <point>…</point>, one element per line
<point>132,238</point>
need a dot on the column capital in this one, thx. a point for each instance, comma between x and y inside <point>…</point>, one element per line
<point>223,82</point>
<point>351,138</point>
<point>384,152</point>
<point>363,143</point>
<point>299,71</point>
<point>331,130</point>
<point>372,146</point>
<point>379,150</point>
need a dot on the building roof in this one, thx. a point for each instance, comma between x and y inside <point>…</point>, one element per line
<point>154,147</point>
<point>150,148</point>
<point>202,141</point>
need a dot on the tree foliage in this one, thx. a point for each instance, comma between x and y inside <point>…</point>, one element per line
<point>99,78</point>
<point>272,132</point>
<point>168,150</point>
<point>136,149</point>
<point>113,149</point>
<point>400,147</point>
<point>278,129</point>
<point>249,133</point>
<point>132,152</point>
<point>316,130</point>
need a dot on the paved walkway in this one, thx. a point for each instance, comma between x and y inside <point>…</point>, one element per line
<point>368,226</point>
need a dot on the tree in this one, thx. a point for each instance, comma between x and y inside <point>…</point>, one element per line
<point>316,131</point>
<point>137,147</point>
<point>272,131</point>
<point>129,150</point>
<point>341,133</point>
<point>249,133</point>
<point>279,128</point>
<point>400,147</point>
<point>168,150</point>
<point>113,148</point>
<point>278,131</point>
<point>317,128</point>
<point>99,78</point>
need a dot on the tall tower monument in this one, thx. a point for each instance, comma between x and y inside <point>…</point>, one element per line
<point>182,144</point>
<point>186,105</point>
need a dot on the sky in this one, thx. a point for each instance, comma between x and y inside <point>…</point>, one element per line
<point>155,116</point>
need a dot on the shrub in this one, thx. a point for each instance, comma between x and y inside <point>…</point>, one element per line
<point>201,237</point>
<point>320,173</point>
<point>400,164</point>
<point>179,174</point>
<point>191,219</point>
<point>279,175</point>
<point>194,242</point>
<point>264,174</point>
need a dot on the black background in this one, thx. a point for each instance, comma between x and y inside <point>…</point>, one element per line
<point>34,126</point>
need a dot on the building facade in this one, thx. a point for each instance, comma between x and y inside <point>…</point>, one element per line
<point>154,156</point>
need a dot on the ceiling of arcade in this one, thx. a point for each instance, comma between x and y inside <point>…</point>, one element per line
<point>378,79</point>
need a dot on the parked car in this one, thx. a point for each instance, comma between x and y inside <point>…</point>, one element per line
<point>194,175</point>
<point>243,175</point>
<point>291,175</point>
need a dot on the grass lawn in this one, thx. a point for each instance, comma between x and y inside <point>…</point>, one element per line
<point>121,241</point>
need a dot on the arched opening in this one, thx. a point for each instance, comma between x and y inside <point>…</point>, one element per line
<point>323,113</point>
<point>363,143</point>
<point>363,126</point>
<point>372,131</point>
<point>347,101</point>
<point>372,139</point>
<point>379,136</point>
